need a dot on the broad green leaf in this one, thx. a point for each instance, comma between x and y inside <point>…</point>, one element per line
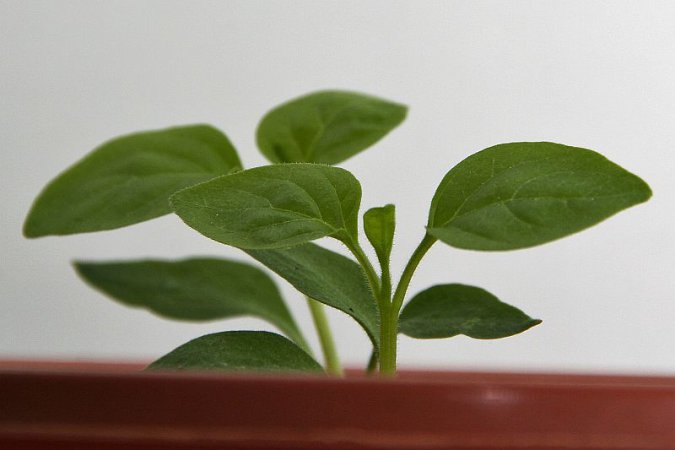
<point>236,351</point>
<point>450,309</point>
<point>197,289</point>
<point>524,194</point>
<point>273,206</point>
<point>327,277</point>
<point>129,180</point>
<point>379,225</point>
<point>326,127</point>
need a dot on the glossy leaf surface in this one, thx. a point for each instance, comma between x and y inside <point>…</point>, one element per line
<point>326,127</point>
<point>327,277</point>
<point>273,206</point>
<point>251,351</point>
<point>196,289</point>
<point>519,195</point>
<point>450,309</point>
<point>129,180</point>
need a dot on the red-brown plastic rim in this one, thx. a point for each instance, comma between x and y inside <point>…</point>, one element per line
<point>94,406</point>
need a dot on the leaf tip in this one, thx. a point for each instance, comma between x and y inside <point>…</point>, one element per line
<point>29,230</point>
<point>84,270</point>
<point>78,265</point>
<point>534,323</point>
<point>647,192</point>
<point>32,228</point>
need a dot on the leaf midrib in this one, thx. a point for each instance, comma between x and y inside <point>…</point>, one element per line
<point>325,124</point>
<point>541,197</point>
<point>303,218</point>
<point>492,177</point>
<point>482,185</point>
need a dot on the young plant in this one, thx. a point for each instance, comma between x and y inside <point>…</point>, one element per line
<point>506,197</point>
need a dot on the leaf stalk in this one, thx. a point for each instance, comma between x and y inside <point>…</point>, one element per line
<point>371,275</point>
<point>326,340</point>
<point>409,271</point>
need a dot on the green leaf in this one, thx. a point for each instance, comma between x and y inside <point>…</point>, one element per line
<point>273,206</point>
<point>129,180</point>
<point>197,289</point>
<point>450,309</point>
<point>379,225</point>
<point>256,351</point>
<point>326,127</point>
<point>327,277</point>
<point>524,194</point>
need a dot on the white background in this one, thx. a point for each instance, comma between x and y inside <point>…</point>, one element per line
<point>599,75</point>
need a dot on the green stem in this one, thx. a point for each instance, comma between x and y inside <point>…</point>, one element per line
<point>388,332</point>
<point>388,342</point>
<point>382,294</point>
<point>325,337</point>
<point>389,314</point>
<point>390,306</point>
<point>373,279</point>
<point>406,276</point>
<point>385,290</point>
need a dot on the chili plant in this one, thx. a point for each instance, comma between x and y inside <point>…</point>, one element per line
<point>507,197</point>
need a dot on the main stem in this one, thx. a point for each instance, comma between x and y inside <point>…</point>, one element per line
<point>388,323</point>
<point>389,306</point>
<point>381,289</point>
<point>388,332</point>
<point>325,337</point>
<point>389,315</point>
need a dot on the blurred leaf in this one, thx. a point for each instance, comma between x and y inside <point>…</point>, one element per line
<point>251,351</point>
<point>326,127</point>
<point>129,180</point>
<point>193,289</point>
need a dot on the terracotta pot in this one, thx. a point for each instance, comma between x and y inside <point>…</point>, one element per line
<point>99,406</point>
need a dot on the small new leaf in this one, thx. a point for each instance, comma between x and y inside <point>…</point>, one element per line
<point>273,206</point>
<point>447,310</point>
<point>326,127</point>
<point>129,180</point>
<point>379,225</point>
<point>235,351</point>
<point>327,277</point>
<point>519,195</point>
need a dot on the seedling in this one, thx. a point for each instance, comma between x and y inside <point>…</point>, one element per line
<point>506,197</point>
